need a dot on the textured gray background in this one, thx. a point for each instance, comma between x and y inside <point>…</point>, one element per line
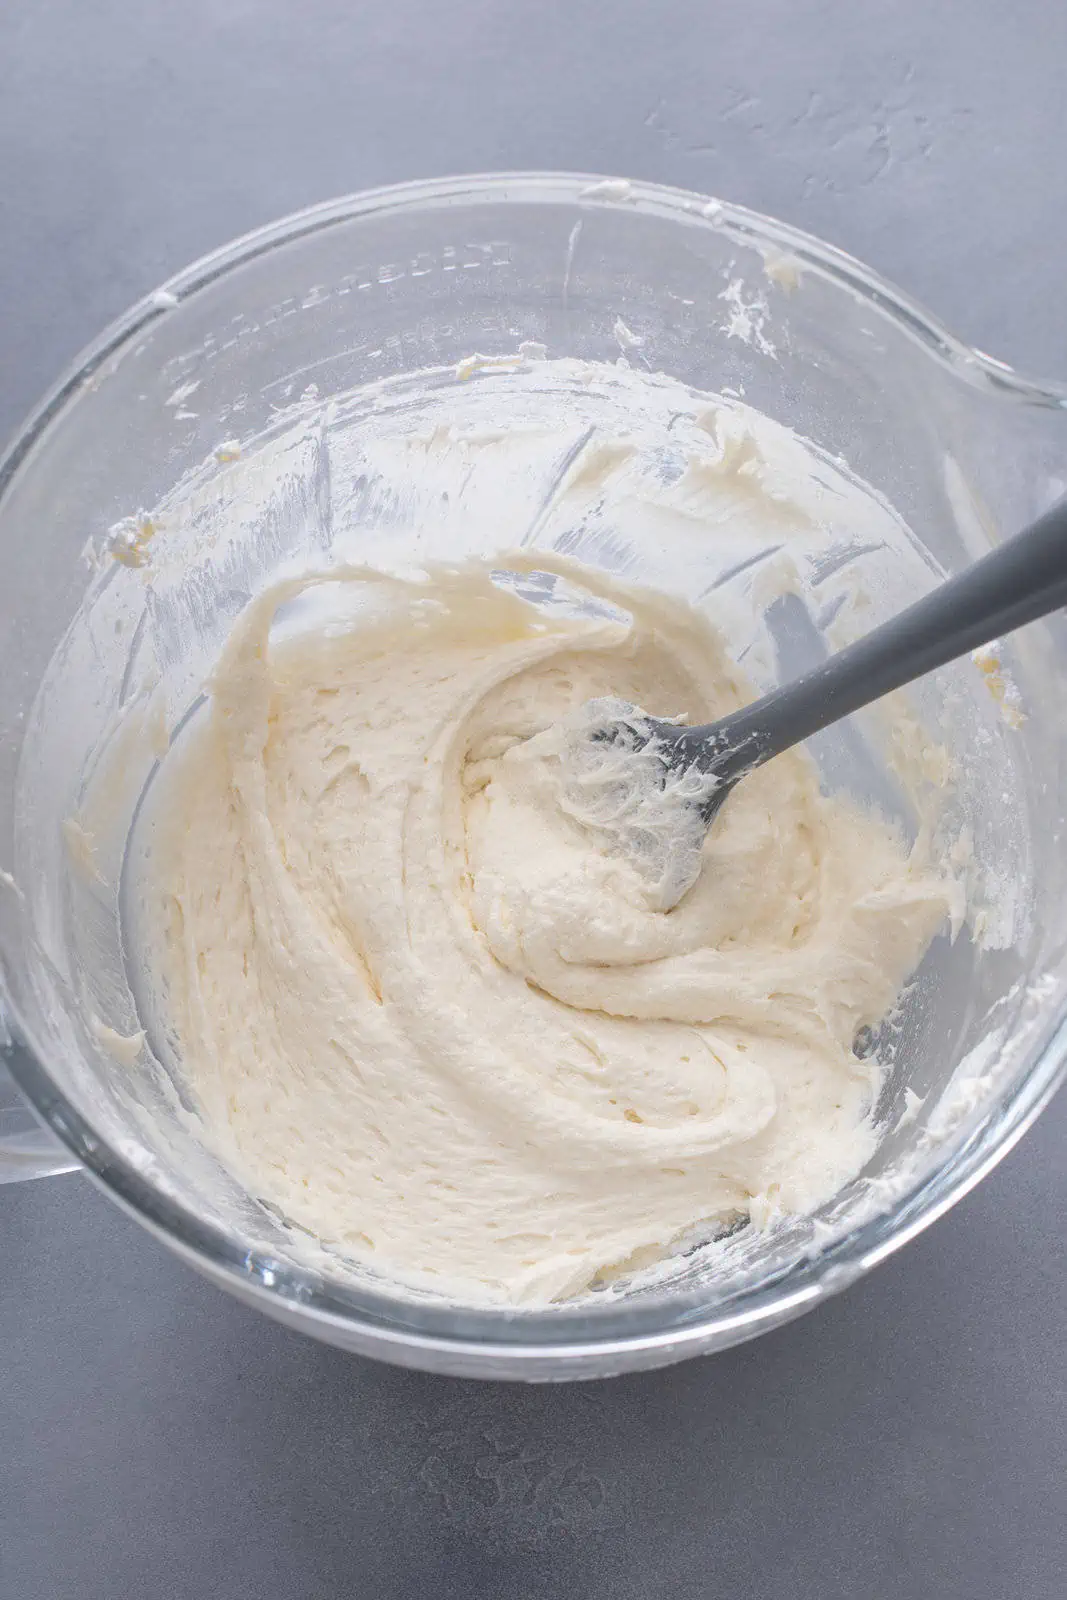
<point>905,1442</point>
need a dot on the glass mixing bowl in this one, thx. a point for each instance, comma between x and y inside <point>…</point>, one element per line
<point>240,397</point>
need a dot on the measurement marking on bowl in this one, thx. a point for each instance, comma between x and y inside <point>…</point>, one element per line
<point>474,256</point>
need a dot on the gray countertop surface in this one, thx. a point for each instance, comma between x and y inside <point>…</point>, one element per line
<point>906,1441</point>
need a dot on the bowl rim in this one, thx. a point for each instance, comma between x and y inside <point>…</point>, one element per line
<point>966,361</point>
<point>620,1335</point>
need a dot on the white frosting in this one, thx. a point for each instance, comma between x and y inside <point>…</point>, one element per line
<point>81,849</point>
<point>122,1047</point>
<point>430,1017</point>
<point>600,765</point>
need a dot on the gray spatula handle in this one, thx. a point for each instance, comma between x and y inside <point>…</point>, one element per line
<point>1025,578</point>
